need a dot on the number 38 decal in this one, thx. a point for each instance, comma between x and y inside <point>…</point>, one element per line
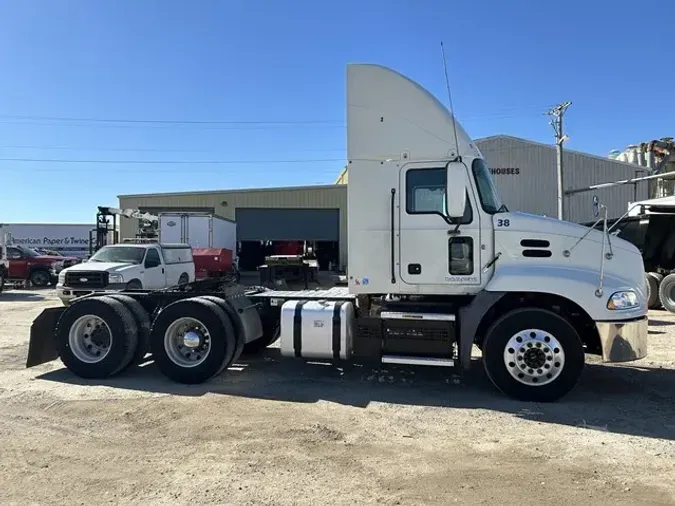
<point>503,223</point>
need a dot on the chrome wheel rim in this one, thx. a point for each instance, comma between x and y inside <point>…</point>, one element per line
<point>187,342</point>
<point>90,339</point>
<point>534,357</point>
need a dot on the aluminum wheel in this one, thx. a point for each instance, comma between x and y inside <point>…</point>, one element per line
<point>187,342</point>
<point>89,339</point>
<point>534,357</point>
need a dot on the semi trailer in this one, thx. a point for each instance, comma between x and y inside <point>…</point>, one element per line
<point>437,264</point>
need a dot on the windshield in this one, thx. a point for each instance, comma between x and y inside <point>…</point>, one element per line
<point>489,198</point>
<point>28,252</point>
<point>119,254</point>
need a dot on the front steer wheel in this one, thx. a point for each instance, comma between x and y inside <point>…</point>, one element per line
<point>192,340</point>
<point>533,355</point>
<point>97,337</point>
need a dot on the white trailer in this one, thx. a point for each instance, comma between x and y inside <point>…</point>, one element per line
<point>199,230</point>
<point>437,265</point>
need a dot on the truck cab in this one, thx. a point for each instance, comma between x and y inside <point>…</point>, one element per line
<point>128,266</point>
<point>27,265</point>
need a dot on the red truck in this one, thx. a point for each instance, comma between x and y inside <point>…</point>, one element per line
<point>24,264</point>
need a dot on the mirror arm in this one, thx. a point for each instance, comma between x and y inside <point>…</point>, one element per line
<point>455,231</point>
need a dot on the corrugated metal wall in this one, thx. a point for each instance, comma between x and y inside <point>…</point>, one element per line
<point>224,204</point>
<point>525,174</point>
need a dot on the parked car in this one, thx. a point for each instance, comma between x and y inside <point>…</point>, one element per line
<point>25,264</point>
<point>128,267</point>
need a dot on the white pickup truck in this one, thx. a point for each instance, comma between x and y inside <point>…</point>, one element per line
<point>128,267</point>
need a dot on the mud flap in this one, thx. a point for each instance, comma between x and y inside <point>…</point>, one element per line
<point>41,347</point>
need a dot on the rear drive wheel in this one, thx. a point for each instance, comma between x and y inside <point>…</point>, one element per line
<point>533,355</point>
<point>40,278</point>
<point>96,337</point>
<point>142,322</point>
<point>192,340</point>
<point>653,281</point>
<point>667,293</point>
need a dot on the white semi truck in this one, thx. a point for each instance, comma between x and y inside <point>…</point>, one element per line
<point>436,265</point>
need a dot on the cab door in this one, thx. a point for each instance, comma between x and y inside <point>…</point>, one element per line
<point>436,252</point>
<point>154,275</point>
<point>18,263</point>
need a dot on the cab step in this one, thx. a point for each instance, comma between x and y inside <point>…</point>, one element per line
<point>401,315</point>
<point>406,360</point>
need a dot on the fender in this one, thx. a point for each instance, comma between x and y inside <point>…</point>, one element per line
<point>573,283</point>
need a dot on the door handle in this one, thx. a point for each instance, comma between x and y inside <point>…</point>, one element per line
<point>162,270</point>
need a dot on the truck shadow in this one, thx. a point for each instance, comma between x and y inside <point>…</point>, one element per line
<point>21,296</point>
<point>617,399</point>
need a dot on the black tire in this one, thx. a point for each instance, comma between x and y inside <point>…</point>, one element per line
<point>519,320</point>
<point>223,341</point>
<point>142,322</point>
<point>134,284</point>
<point>2,279</point>
<point>667,293</point>
<point>40,278</point>
<point>184,279</point>
<point>123,329</point>
<point>271,332</point>
<point>237,326</point>
<point>653,280</point>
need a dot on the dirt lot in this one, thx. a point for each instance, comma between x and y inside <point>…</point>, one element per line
<point>274,431</point>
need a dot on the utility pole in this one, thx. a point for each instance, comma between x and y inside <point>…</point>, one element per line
<point>557,123</point>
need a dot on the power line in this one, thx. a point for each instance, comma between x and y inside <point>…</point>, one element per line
<point>250,124</point>
<point>168,122</point>
<point>170,162</point>
<point>149,150</point>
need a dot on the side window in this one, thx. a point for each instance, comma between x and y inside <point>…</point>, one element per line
<point>425,193</point>
<point>177,255</point>
<point>152,258</point>
<point>460,251</point>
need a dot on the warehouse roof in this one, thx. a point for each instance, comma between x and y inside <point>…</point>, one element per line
<point>237,190</point>
<point>552,147</point>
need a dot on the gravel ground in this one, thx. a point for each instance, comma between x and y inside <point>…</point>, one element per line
<point>276,431</point>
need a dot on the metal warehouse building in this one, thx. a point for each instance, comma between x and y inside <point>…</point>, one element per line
<point>525,174</point>
<point>524,171</point>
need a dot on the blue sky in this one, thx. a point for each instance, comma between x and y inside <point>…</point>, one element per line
<point>269,62</point>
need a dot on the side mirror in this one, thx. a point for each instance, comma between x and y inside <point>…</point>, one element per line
<point>455,191</point>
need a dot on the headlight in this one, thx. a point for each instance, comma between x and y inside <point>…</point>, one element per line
<point>115,278</point>
<point>62,277</point>
<point>622,300</point>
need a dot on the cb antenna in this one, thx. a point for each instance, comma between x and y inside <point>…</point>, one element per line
<point>452,110</point>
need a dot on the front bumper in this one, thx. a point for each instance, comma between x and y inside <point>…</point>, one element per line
<point>623,341</point>
<point>67,294</point>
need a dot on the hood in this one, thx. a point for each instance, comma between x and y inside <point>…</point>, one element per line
<point>54,258</point>
<point>532,223</point>
<point>103,266</point>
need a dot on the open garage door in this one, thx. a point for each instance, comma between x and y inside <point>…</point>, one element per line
<point>265,224</point>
